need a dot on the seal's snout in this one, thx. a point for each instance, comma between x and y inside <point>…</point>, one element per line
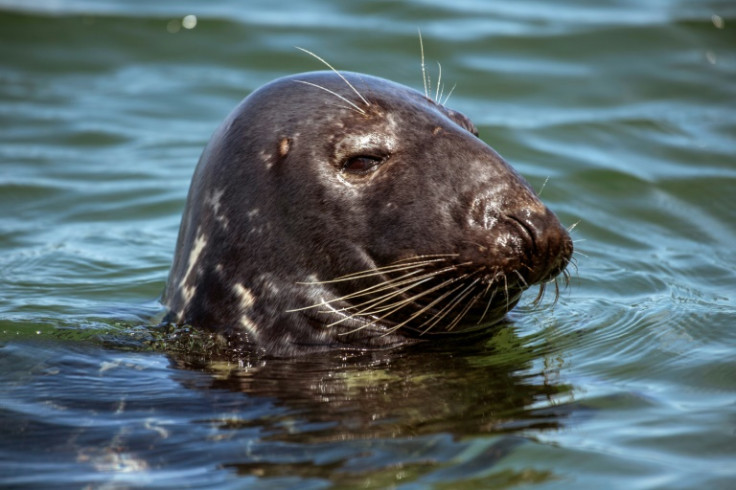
<point>527,243</point>
<point>548,244</point>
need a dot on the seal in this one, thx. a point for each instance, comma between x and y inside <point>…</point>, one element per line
<point>340,210</point>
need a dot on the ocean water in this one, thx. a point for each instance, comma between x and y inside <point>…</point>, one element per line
<point>622,113</point>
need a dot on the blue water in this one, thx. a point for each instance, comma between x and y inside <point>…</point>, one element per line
<point>621,113</point>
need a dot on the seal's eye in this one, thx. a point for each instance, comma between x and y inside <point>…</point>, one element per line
<point>362,164</point>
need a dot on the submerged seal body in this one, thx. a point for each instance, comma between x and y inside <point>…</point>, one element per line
<point>346,211</point>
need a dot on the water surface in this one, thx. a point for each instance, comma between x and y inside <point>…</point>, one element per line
<point>622,114</point>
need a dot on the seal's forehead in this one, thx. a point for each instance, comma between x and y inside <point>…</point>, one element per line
<point>348,87</point>
<point>319,93</point>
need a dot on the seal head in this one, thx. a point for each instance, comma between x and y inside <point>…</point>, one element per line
<point>347,211</point>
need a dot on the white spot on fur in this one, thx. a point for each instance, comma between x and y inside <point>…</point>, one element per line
<point>188,291</point>
<point>245,295</point>
<point>247,300</point>
<point>267,158</point>
<point>215,202</point>
<point>284,147</point>
<point>248,325</point>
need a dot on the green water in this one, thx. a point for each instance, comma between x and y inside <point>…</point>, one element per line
<point>622,112</point>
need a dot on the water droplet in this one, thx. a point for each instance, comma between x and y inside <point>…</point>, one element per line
<point>189,21</point>
<point>717,21</point>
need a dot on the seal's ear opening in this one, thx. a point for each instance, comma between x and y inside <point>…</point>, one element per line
<point>461,120</point>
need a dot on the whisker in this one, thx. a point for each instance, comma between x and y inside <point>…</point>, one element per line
<point>542,188</point>
<point>392,284</point>
<point>463,294</point>
<point>337,73</point>
<point>352,104</point>
<point>376,302</point>
<point>386,285</point>
<point>540,295</point>
<point>394,267</point>
<point>462,314</point>
<point>450,306</point>
<point>425,309</point>
<point>506,289</point>
<point>490,301</point>
<point>424,68</point>
<point>396,307</point>
<point>439,83</point>
<point>449,94</point>
<point>440,315</point>
<point>521,278</point>
<point>389,284</point>
<point>411,299</point>
<point>425,257</point>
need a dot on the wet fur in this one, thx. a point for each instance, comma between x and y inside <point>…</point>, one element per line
<point>282,248</point>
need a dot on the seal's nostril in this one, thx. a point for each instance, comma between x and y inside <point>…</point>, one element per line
<point>527,232</point>
<point>548,245</point>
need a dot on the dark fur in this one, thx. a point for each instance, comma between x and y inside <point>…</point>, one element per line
<point>289,214</point>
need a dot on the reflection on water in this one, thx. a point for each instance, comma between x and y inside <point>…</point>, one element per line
<point>621,113</point>
<point>435,413</point>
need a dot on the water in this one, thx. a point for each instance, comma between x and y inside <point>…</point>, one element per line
<point>622,112</point>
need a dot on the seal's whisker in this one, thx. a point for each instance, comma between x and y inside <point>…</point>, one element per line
<point>449,94</point>
<point>388,285</point>
<point>391,284</point>
<point>394,267</point>
<point>425,308</point>
<point>401,304</point>
<point>572,226</point>
<point>541,189</point>
<point>452,304</point>
<point>369,273</point>
<point>439,83</point>
<point>395,307</point>
<point>441,314</point>
<point>411,299</point>
<point>506,290</point>
<point>566,277</point>
<point>353,105</point>
<point>393,292</point>
<point>462,314</point>
<point>337,73</point>
<point>424,68</point>
<point>487,308</point>
<point>367,310</point>
<point>397,266</point>
<point>521,278</point>
<point>426,257</point>
<point>488,304</point>
<point>460,297</point>
<point>480,246</point>
<point>398,304</point>
<point>540,295</point>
